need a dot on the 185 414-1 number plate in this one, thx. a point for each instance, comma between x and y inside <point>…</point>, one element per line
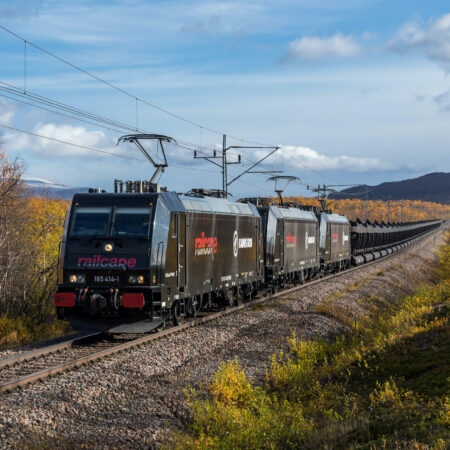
<point>106,278</point>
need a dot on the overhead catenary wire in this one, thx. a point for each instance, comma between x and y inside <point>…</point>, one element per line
<point>179,143</point>
<point>3,125</point>
<point>123,91</point>
<point>96,120</point>
<point>60,141</point>
<point>15,90</point>
<point>130,95</point>
<point>83,115</point>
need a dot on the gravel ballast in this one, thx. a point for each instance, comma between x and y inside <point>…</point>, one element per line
<point>133,399</point>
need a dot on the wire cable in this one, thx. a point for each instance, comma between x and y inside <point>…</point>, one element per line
<point>123,91</point>
<point>138,99</point>
<point>60,141</point>
<point>182,144</point>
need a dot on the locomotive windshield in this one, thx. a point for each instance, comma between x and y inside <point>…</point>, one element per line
<point>91,221</point>
<point>131,221</point>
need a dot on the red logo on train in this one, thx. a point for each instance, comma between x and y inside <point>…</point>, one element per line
<point>205,245</point>
<point>291,241</point>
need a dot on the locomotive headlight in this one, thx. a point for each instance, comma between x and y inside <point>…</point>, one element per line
<point>77,279</point>
<point>140,279</point>
<point>132,279</point>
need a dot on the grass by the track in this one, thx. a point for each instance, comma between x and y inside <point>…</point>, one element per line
<point>385,384</point>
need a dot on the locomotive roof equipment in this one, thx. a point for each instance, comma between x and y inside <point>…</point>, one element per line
<point>279,189</point>
<point>137,138</point>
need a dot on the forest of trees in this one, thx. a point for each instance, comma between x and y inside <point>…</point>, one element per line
<point>30,233</point>
<point>393,211</point>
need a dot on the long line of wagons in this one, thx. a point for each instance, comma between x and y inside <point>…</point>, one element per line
<point>131,261</point>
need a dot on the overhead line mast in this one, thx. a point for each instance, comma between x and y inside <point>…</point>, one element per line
<point>324,191</point>
<point>224,162</point>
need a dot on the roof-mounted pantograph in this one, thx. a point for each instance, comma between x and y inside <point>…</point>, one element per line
<point>137,138</point>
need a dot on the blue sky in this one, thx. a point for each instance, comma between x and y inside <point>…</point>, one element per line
<point>354,91</point>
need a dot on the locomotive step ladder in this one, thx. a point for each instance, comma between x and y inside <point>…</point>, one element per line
<point>156,309</point>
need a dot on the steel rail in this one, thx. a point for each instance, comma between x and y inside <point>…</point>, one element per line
<point>13,384</point>
<point>32,354</point>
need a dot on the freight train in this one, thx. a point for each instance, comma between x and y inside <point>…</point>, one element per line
<point>131,261</point>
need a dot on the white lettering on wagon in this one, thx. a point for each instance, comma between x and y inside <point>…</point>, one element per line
<point>240,243</point>
<point>246,243</point>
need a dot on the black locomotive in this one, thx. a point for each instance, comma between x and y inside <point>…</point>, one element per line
<point>131,261</point>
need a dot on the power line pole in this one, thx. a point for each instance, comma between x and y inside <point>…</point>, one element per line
<point>224,166</point>
<point>224,163</point>
<point>322,195</point>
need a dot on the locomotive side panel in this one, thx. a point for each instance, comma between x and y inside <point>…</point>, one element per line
<point>339,241</point>
<point>300,245</point>
<point>221,251</point>
<point>291,241</point>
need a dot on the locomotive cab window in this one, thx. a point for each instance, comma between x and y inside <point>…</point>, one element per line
<point>131,221</point>
<point>91,221</point>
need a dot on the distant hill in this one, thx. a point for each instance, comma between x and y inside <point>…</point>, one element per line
<point>51,188</point>
<point>433,187</point>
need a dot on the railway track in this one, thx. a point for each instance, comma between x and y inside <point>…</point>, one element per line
<point>29,367</point>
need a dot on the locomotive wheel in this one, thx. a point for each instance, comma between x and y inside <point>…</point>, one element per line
<point>246,292</point>
<point>228,298</point>
<point>197,305</point>
<point>302,277</point>
<point>238,300</point>
<point>178,317</point>
<point>192,307</point>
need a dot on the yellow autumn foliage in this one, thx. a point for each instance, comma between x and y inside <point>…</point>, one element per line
<point>383,384</point>
<point>377,210</point>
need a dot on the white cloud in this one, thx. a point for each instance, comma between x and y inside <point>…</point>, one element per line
<point>314,48</point>
<point>303,157</point>
<point>67,133</point>
<point>7,112</point>
<point>432,40</point>
<point>94,139</point>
